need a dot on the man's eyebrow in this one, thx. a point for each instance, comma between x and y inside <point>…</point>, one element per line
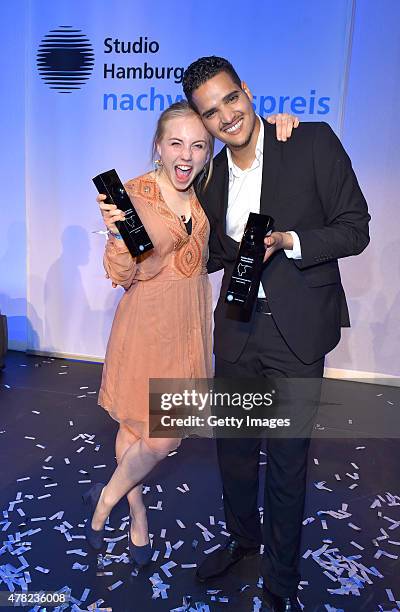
<point>235,91</point>
<point>210,110</point>
<point>224,99</point>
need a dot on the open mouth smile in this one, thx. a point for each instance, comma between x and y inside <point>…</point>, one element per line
<point>183,172</point>
<point>233,129</point>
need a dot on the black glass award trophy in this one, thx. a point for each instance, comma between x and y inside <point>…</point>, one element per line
<point>243,287</point>
<point>132,229</point>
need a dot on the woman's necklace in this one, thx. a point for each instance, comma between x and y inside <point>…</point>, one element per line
<point>176,205</point>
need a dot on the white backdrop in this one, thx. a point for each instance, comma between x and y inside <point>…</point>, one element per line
<point>72,137</point>
<point>52,286</point>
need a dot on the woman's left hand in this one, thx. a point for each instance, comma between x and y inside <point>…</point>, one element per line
<point>284,125</point>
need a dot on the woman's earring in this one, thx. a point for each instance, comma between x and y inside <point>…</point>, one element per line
<point>158,164</point>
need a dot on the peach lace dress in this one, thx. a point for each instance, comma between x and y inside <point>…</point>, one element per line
<point>162,326</point>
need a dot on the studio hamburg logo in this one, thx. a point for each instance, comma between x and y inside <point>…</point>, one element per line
<point>65,59</point>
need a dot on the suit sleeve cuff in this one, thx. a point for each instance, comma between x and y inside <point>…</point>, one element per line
<point>294,253</point>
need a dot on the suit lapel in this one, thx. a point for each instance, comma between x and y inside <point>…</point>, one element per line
<point>271,162</point>
<point>220,188</point>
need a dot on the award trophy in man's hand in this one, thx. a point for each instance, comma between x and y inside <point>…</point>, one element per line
<point>246,276</point>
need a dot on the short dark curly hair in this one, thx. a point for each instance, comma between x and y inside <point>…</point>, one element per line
<point>202,70</point>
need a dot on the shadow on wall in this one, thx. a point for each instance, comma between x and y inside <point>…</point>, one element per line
<point>356,342</point>
<point>386,311</point>
<point>70,324</point>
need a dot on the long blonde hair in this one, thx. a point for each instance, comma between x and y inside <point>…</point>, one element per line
<point>182,109</point>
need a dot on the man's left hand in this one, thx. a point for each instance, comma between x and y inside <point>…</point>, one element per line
<point>276,241</point>
<point>284,125</point>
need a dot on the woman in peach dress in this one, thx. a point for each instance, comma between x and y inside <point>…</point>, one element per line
<point>162,326</point>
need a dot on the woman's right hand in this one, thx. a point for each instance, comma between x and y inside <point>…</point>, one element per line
<point>110,213</point>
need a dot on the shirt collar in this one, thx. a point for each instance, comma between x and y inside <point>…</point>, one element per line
<point>233,169</point>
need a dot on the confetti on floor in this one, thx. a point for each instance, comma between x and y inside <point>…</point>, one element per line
<point>56,442</point>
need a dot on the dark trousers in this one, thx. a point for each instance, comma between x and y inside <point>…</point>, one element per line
<point>267,354</point>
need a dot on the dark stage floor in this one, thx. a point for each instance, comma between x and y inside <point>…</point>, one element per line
<point>55,441</point>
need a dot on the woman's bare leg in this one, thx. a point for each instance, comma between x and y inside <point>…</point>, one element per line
<point>138,460</point>
<point>139,527</point>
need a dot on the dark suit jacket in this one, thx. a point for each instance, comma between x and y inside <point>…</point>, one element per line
<point>309,186</point>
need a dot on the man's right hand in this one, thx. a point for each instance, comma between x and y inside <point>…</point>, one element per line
<point>110,213</point>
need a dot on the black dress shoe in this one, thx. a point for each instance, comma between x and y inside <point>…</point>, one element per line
<point>94,538</point>
<point>221,560</point>
<point>140,555</point>
<point>275,603</point>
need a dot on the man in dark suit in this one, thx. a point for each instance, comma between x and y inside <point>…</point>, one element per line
<point>309,188</point>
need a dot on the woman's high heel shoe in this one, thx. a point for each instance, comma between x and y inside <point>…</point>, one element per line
<point>94,537</point>
<point>141,555</point>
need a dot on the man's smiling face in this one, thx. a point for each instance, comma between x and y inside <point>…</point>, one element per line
<point>226,110</point>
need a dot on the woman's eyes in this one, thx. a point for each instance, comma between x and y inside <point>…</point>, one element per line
<point>198,145</point>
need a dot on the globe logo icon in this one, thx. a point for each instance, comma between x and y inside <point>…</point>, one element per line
<point>65,59</point>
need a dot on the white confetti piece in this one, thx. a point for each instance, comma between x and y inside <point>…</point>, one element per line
<point>157,507</point>
<point>79,566</point>
<point>357,545</point>
<point>166,567</point>
<point>321,486</point>
<point>76,551</point>
<point>115,585</point>
<point>85,594</point>
<point>210,550</point>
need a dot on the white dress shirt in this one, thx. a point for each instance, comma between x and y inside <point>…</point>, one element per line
<point>244,197</point>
